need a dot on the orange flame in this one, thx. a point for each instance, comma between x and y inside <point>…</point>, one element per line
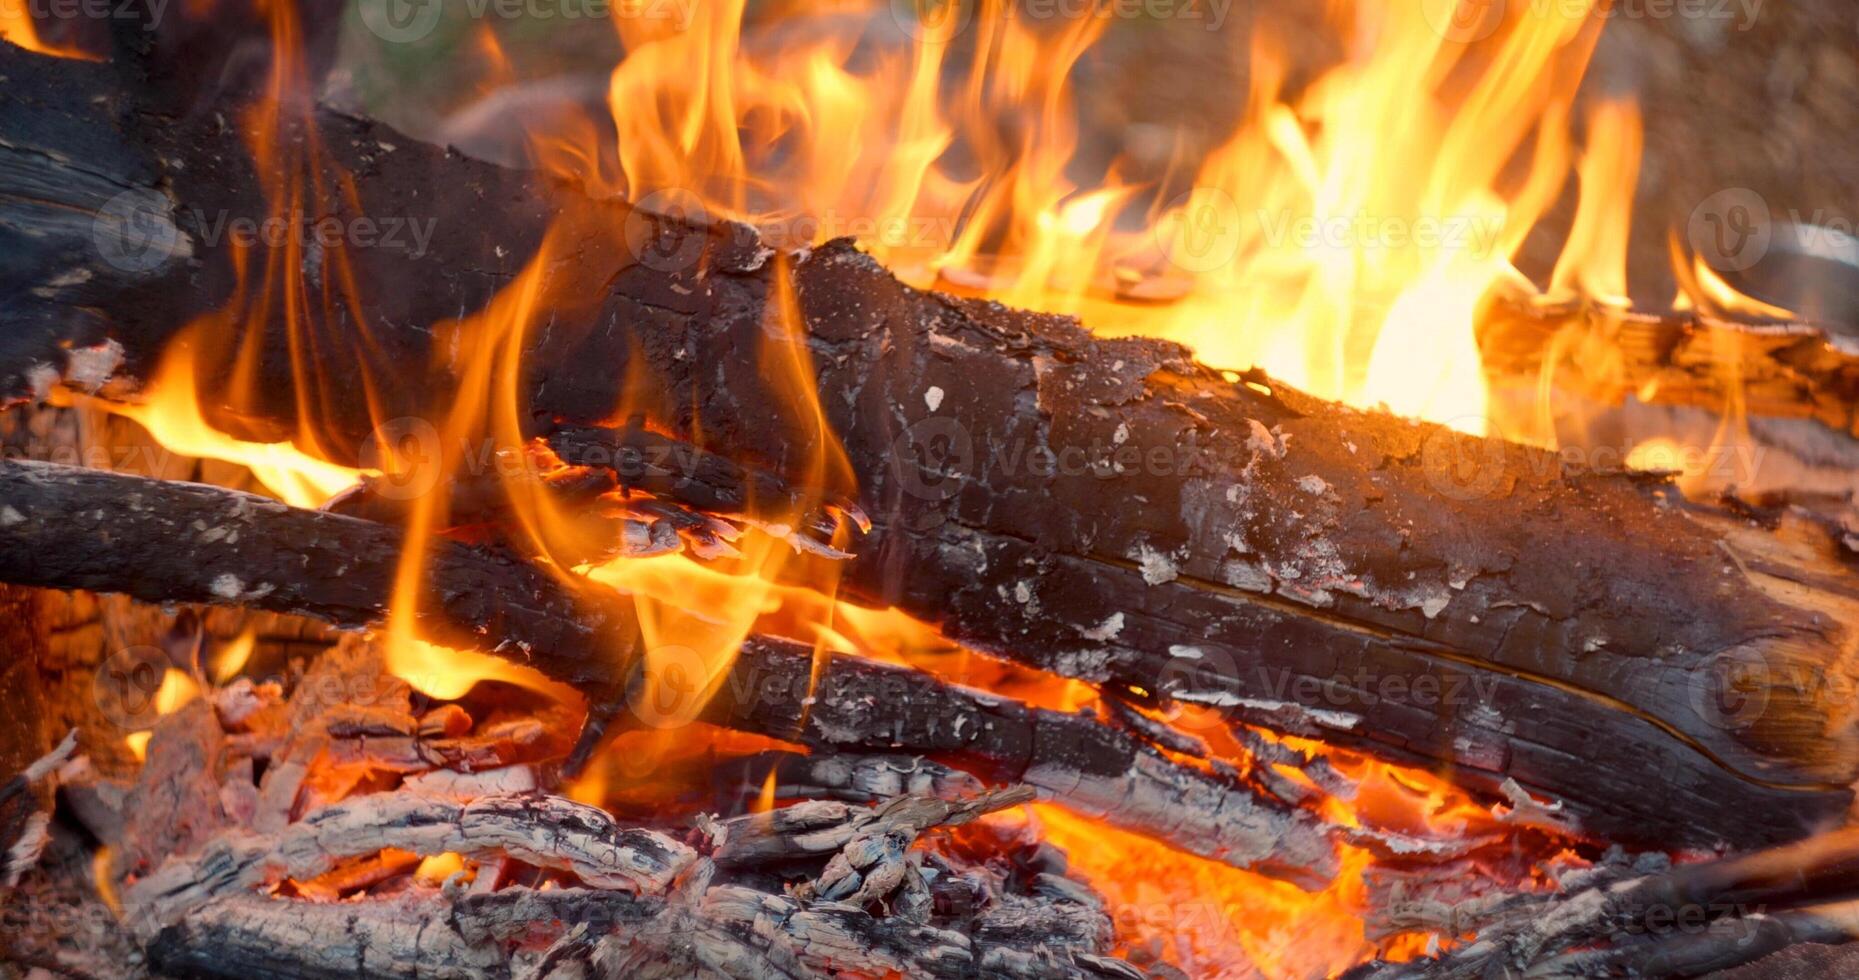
<point>17,27</point>
<point>1382,206</point>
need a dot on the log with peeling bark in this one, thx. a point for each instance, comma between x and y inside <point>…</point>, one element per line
<point>731,931</point>
<point>645,902</point>
<point>1106,509</point>
<point>545,831</point>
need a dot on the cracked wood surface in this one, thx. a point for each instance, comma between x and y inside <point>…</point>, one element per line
<point>546,831</point>
<point>1093,768</point>
<point>1107,509</point>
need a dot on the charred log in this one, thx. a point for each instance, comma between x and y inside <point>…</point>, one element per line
<point>861,706</point>
<point>77,528</point>
<point>1684,922</point>
<point>161,541</point>
<point>1106,509</point>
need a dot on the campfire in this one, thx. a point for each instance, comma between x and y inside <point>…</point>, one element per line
<point>771,490</point>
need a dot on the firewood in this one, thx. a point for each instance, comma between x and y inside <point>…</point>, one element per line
<point>859,705</point>
<point>845,776</point>
<point>824,828</point>
<point>1782,370</point>
<point>1106,509</point>
<point>731,931</point>
<point>116,533</point>
<point>163,542</point>
<point>1687,921</point>
<point>543,830</point>
<point>23,816</point>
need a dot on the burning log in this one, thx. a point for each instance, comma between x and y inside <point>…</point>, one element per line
<point>73,528</point>
<point>846,776</point>
<point>1688,921</point>
<point>1105,509</point>
<point>23,817</point>
<point>1781,370</point>
<point>1098,769</point>
<point>560,888</point>
<point>545,831</point>
<point>117,533</point>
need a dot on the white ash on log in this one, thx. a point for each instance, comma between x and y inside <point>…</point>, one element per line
<point>1689,921</point>
<point>23,814</point>
<point>636,901</point>
<point>731,931</point>
<point>850,704</point>
<point>542,830</point>
<point>1387,586</point>
<point>844,776</point>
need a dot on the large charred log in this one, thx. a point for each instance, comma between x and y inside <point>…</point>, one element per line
<point>1107,509</point>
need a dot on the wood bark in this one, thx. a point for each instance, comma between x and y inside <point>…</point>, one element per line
<point>731,932</point>
<point>1105,509</point>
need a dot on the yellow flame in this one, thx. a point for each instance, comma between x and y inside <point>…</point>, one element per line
<point>100,864</point>
<point>172,413</point>
<point>177,688</point>
<point>1344,239</point>
<point>232,657</point>
<point>438,868</point>
<point>1594,262</point>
